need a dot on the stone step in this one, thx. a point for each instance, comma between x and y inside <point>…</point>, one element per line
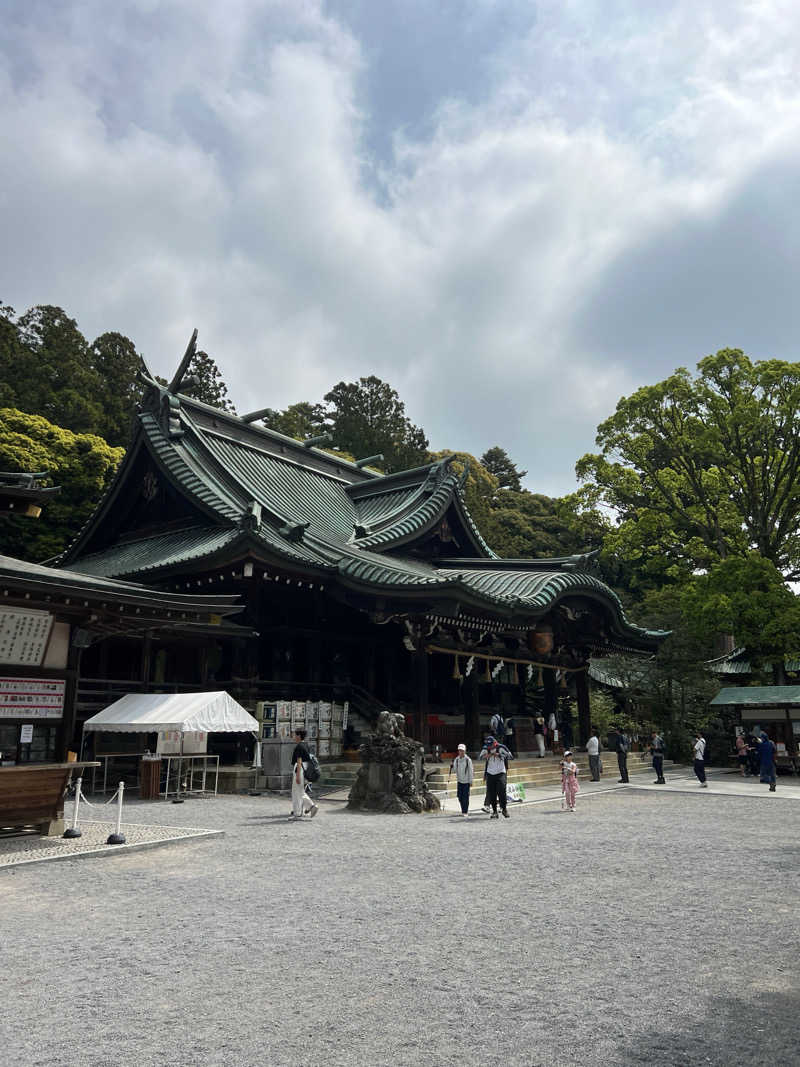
<point>547,777</point>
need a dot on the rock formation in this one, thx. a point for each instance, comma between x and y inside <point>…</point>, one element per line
<point>391,778</point>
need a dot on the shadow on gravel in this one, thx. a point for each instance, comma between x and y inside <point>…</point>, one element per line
<point>759,1029</point>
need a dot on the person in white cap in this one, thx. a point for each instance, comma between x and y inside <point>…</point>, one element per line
<point>465,774</point>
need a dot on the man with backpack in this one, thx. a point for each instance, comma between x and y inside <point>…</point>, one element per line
<point>497,757</point>
<point>301,758</point>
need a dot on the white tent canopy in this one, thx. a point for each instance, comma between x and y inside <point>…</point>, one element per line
<point>185,712</point>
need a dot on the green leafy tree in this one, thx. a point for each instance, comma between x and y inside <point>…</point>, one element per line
<point>367,417</point>
<point>479,489</point>
<point>498,462</point>
<point>82,464</point>
<point>526,525</point>
<point>702,468</point>
<point>671,691</point>
<point>298,420</point>
<point>748,598</point>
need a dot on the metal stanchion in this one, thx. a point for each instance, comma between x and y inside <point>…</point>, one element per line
<point>73,831</point>
<point>118,838</point>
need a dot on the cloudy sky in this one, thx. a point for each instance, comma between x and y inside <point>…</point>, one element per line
<point>515,211</point>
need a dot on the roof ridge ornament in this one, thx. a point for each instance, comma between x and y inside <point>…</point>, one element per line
<point>294,531</point>
<point>318,439</point>
<point>377,458</point>
<point>251,516</point>
<point>183,366</point>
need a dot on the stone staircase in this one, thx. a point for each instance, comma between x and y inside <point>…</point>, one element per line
<point>339,775</point>
<point>530,771</point>
<point>533,772</point>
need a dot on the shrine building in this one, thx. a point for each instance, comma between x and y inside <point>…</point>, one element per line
<point>377,589</point>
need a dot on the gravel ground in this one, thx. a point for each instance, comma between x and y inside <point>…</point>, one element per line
<point>648,928</point>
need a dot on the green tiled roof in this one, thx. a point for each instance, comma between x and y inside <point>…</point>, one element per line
<point>763,696</point>
<point>157,552</point>
<point>270,498</point>
<point>287,488</point>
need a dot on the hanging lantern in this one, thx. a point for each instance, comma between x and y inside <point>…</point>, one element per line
<point>516,673</point>
<point>456,670</point>
<point>541,639</point>
<point>487,676</point>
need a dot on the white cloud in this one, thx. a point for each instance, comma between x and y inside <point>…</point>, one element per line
<point>164,170</point>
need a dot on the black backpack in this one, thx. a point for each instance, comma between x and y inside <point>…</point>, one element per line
<point>313,769</point>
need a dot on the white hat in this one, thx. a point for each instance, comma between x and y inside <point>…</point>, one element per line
<point>462,747</point>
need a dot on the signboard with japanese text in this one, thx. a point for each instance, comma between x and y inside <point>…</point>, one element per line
<point>32,698</point>
<point>24,636</point>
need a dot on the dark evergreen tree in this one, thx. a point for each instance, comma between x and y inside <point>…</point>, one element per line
<point>498,462</point>
<point>367,417</point>
<point>47,370</point>
<point>117,363</point>
<point>209,387</point>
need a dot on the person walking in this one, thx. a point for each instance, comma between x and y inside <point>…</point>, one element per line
<point>766,758</point>
<point>301,801</point>
<point>465,775</point>
<point>569,780</point>
<point>700,759</point>
<point>496,756</point>
<point>657,752</point>
<point>593,752</point>
<point>620,743</point>
<point>752,754</point>
<point>509,738</point>
<point>538,733</point>
<point>741,754</point>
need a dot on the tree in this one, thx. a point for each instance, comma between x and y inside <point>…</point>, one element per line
<point>210,387</point>
<point>367,417</point>
<point>747,598</point>
<point>45,365</point>
<point>298,420</point>
<point>82,464</point>
<point>498,462</point>
<point>671,691</point>
<point>701,469</point>
<point>116,362</point>
<point>479,489</point>
<point>526,525</point>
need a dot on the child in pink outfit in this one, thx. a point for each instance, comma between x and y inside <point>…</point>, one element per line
<point>569,780</point>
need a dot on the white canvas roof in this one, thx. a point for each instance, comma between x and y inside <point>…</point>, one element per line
<point>186,712</point>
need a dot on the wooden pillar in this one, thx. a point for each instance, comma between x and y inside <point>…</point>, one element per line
<point>421,680</point>
<point>584,707</point>
<point>147,658</point>
<point>65,736</point>
<point>472,712</point>
<point>550,694</point>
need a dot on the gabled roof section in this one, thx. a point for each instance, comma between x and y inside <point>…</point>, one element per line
<point>403,508</point>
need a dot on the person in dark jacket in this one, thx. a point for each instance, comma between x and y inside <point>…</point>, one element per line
<point>657,752</point>
<point>619,742</point>
<point>766,754</point>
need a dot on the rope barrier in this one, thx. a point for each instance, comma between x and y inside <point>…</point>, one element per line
<point>507,659</point>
